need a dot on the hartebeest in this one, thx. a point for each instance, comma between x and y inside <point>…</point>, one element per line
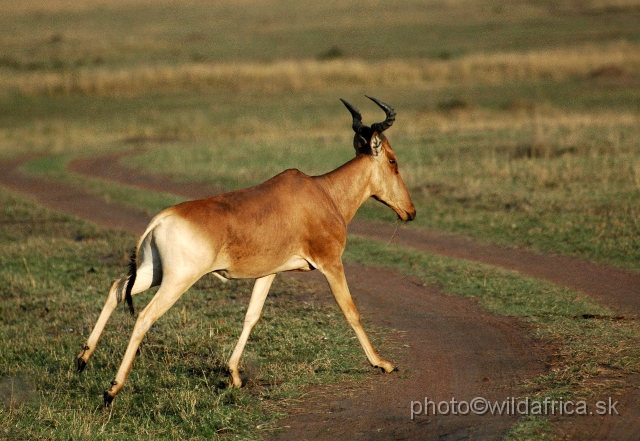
<point>290,222</point>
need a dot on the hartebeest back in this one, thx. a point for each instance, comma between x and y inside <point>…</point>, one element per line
<point>290,222</point>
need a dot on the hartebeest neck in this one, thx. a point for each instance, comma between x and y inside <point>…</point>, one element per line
<point>349,185</point>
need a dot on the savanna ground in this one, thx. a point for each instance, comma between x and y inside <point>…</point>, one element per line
<point>517,125</point>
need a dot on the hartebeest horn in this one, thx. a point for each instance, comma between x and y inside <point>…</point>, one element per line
<point>358,127</point>
<point>388,110</point>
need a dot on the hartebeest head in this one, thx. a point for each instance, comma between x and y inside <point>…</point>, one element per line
<point>387,184</point>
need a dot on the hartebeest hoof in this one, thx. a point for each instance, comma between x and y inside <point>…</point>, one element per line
<point>108,398</point>
<point>386,367</point>
<point>234,379</point>
<point>80,364</point>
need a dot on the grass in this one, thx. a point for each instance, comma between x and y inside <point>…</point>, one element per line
<point>517,124</point>
<point>558,183</point>
<point>552,166</point>
<point>54,276</point>
<point>59,35</point>
<point>506,293</point>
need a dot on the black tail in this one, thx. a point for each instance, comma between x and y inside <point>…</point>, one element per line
<point>132,279</point>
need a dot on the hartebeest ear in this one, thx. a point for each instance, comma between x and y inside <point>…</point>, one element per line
<point>372,147</point>
<point>376,144</point>
<point>359,143</point>
<point>368,140</point>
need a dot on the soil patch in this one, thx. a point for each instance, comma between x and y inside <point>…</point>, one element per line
<point>71,200</point>
<point>446,348</point>
<point>614,287</point>
<point>112,167</point>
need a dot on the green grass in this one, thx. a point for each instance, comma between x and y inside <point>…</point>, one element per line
<point>530,428</point>
<point>556,314</point>
<point>55,167</point>
<point>54,276</point>
<point>565,189</point>
<point>60,35</point>
<point>548,178</point>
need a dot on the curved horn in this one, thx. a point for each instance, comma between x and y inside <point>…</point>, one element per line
<point>388,110</point>
<point>357,126</point>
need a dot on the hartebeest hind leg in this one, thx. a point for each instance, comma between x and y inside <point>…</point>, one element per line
<point>258,296</point>
<point>144,280</point>
<point>338,284</point>
<point>170,291</point>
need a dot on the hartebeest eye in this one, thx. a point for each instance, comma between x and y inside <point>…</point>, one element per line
<point>392,161</point>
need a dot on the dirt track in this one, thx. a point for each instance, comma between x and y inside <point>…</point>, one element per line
<point>448,347</point>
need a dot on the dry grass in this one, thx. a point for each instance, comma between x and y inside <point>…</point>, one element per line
<point>48,6</point>
<point>544,120</point>
<point>22,7</point>
<point>616,59</point>
<point>603,5</point>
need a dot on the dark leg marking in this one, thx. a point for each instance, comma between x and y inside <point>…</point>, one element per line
<point>107,399</point>
<point>80,364</point>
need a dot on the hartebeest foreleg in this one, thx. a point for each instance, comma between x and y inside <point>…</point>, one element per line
<point>340,289</point>
<point>258,296</point>
<point>169,292</point>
